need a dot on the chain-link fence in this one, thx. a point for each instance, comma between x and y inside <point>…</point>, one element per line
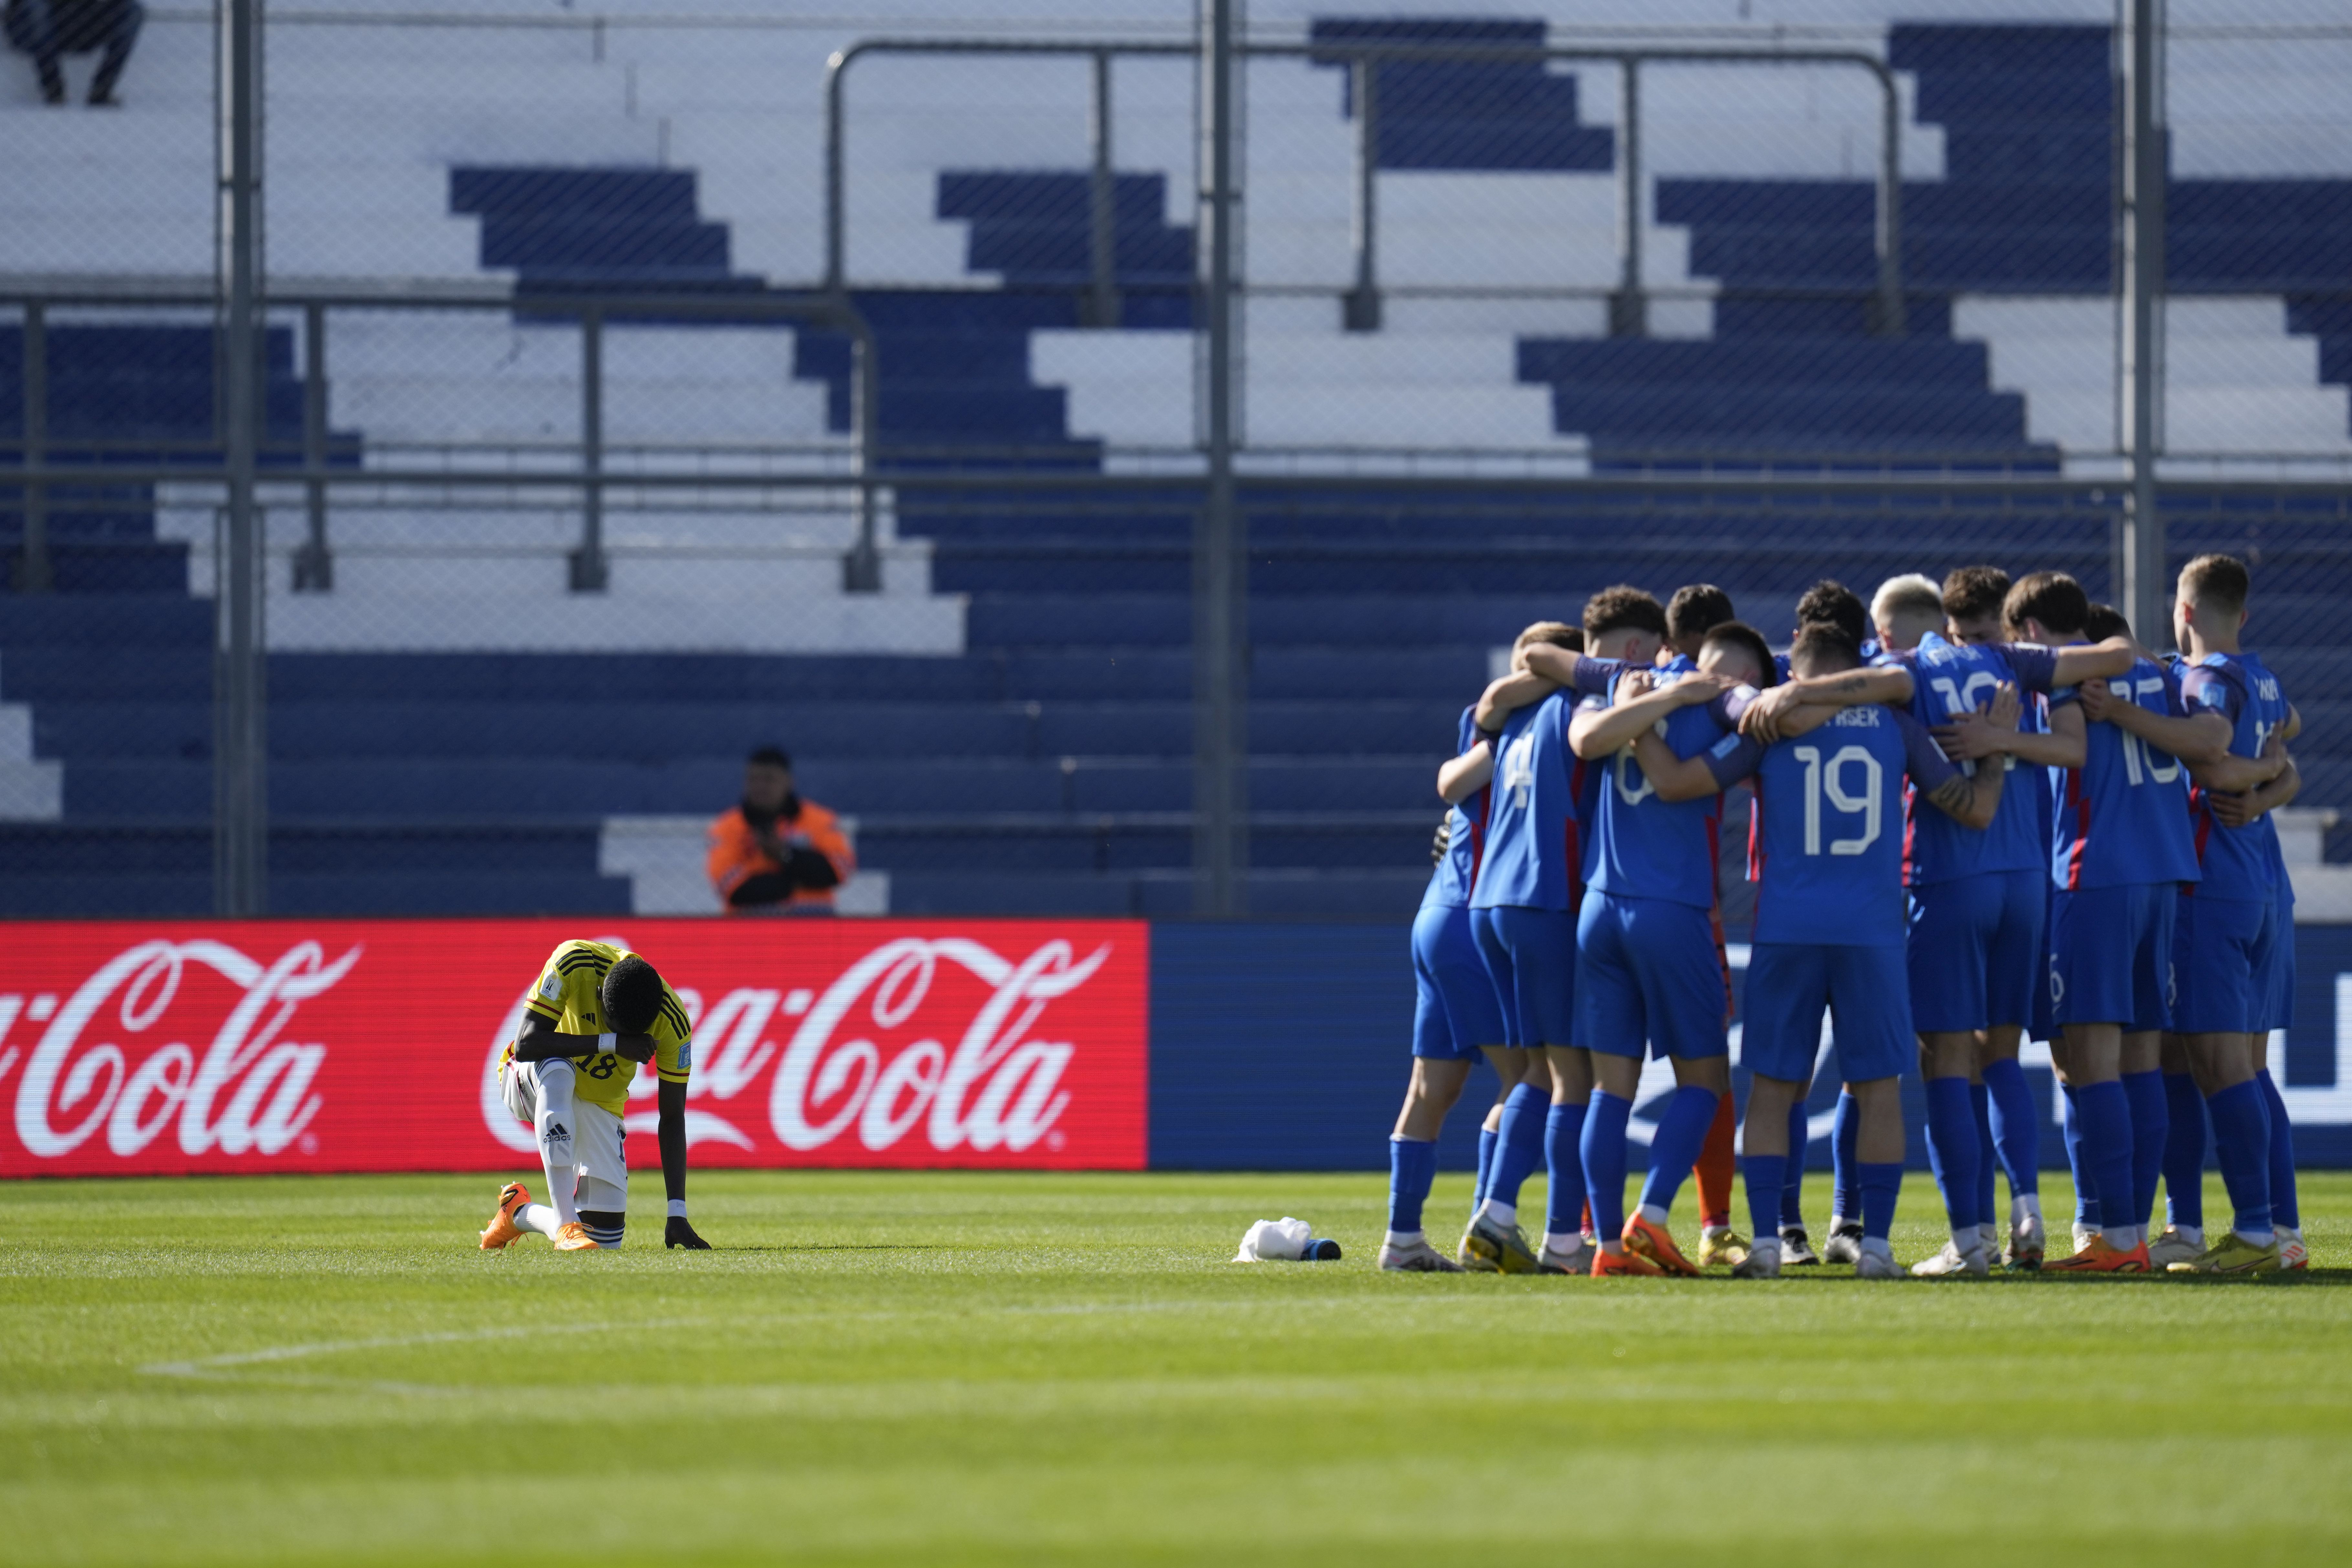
<point>631,389</point>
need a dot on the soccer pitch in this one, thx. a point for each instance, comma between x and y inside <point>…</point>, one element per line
<point>1032,1369</point>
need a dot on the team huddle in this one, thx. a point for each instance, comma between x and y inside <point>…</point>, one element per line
<point>1982,810</point>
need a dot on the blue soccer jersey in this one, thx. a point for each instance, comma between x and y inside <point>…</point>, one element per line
<point>1466,821</point>
<point>1534,852</point>
<point>1956,677</point>
<point>1827,852</point>
<point>2123,817</point>
<point>2238,862</point>
<point>1645,847</point>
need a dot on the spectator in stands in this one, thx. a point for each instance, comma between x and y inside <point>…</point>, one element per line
<point>50,29</point>
<point>776,853</point>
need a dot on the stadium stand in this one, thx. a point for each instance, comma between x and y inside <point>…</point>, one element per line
<point>1010,719</point>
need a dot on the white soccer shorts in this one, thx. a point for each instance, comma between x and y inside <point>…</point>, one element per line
<point>596,1137</point>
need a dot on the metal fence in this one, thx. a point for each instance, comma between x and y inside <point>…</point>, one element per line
<point>1109,452</point>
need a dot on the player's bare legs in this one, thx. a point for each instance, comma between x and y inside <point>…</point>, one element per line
<point>1436,1086</point>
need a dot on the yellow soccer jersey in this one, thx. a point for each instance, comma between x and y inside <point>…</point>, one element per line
<point>567,994</point>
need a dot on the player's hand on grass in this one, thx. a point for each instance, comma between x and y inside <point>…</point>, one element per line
<point>677,1233</point>
<point>2097,700</point>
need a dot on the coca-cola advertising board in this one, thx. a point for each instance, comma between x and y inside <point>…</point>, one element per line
<point>161,1047</point>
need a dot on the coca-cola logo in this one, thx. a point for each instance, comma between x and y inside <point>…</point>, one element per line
<point>117,1063</point>
<point>934,1041</point>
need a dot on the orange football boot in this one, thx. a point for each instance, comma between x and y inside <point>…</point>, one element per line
<point>573,1237</point>
<point>1606,1263</point>
<point>2098,1257</point>
<point>503,1231</point>
<point>1653,1242</point>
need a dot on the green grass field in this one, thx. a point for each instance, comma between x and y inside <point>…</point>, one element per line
<point>1048,1370</point>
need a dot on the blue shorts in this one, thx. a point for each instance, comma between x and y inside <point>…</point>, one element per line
<point>2223,964</point>
<point>1975,951</point>
<point>1531,953</point>
<point>1866,991</point>
<point>1649,973</point>
<point>2111,955</point>
<point>2280,1014</point>
<point>1454,1012</point>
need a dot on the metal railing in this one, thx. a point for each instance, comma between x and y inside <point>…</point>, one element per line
<point>1628,312</point>
<point>310,464</point>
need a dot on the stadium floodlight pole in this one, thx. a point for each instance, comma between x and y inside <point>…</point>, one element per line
<point>240,756</point>
<point>2144,592</point>
<point>314,564</point>
<point>1219,553</point>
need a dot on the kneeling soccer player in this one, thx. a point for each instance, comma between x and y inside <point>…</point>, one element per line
<point>1828,861</point>
<point>596,1012</point>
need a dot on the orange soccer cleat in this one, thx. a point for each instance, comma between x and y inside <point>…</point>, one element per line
<point>1606,1263</point>
<point>1653,1242</point>
<point>573,1237</point>
<point>2098,1257</point>
<point>503,1231</point>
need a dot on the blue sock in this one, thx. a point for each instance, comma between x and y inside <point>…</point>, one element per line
<point>2151,1125</point>
<point>1952,1148</point>
<point>1519,1147</point>
<point>2184,1152</point>
<point>1845,1194</point>
<point>1792,1189</point>
<point>1882,1189</point>
<point>2105,1113</point>
<point>1487,1139</point>
<point>1767,1181</point>
<point>2016,1126</point>
<point>2070,1122</point>
<point>1412,1168</point>
<point>1564,1205</point>
<point>1682,1132</point>
<point>1980,1107</point>
<point>1602,1150</point>
<point>2287,1208</point>
<point>2241,1137</point>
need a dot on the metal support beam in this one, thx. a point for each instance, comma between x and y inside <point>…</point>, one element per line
<point>1887,310</point>
<point>1101,308</point>
<point>861,569</point>
<point>1359,308</point>
<point>590,573</point>
<point>2145,591</point>
<point>33,573</point>
<point>314,564</point>
<point>240,752</point>
<point>1629,311</point>
<point>1220,548</point>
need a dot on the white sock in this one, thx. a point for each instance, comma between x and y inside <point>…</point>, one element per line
<point>1654,1213</point>
<point>2289,1232</point>
<point>538,1218</point>
<point>1878,1246</point>
<point>1406,1238</point>
<point>1839,1222</point>
<point>2255,1239</point>
<point>1562,1241</point>
<point>2122,1237</point>
<point>1988,1238</point>
<point>1710,1232</point>
<point>1501,1213</point>
<point>1966,1239</point>
<point>2194,1234</point>
<point>1768,1247</point>
<point>2024,1207</point>
<point>554,1126</point>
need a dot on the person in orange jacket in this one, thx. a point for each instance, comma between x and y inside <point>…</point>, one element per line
<point>776,853</point>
